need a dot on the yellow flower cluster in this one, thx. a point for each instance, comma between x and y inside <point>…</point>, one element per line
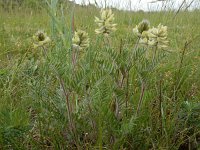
<point>152,36</point>
<point>80,40</point>
<point>105,22</point>
<point>40,39</point>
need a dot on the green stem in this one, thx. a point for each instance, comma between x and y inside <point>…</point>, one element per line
<point>141,98</point>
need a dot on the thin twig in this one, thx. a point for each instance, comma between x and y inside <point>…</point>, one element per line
<point>179,9</point>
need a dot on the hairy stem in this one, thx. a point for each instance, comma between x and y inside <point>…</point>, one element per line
<point>141,99</point>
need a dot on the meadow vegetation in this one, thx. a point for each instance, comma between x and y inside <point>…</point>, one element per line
<point>68,83</point>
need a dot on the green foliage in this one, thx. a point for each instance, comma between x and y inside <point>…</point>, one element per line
<point>116,94</point>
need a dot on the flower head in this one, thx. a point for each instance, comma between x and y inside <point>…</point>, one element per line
<point>40,39</point>
<point>159,36</point>
<point>141,27</point>
<point>144,38</point>
<point>80,40</point>
<point>105,23</point>
<point>156,37</point>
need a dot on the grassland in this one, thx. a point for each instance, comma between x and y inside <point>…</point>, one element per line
<point>48,102</point>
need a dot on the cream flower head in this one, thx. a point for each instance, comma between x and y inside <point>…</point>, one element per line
<point>105,23</point>
<point>40,39</point>
<point>144,38</point>
<point>80,40</point>
<point>159,36</point>
<point>155,37</point>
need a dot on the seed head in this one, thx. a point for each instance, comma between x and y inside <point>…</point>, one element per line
<point>105,23</point>
<point>40,39</point>
<point>80,40</point>
<point>141,27</point>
